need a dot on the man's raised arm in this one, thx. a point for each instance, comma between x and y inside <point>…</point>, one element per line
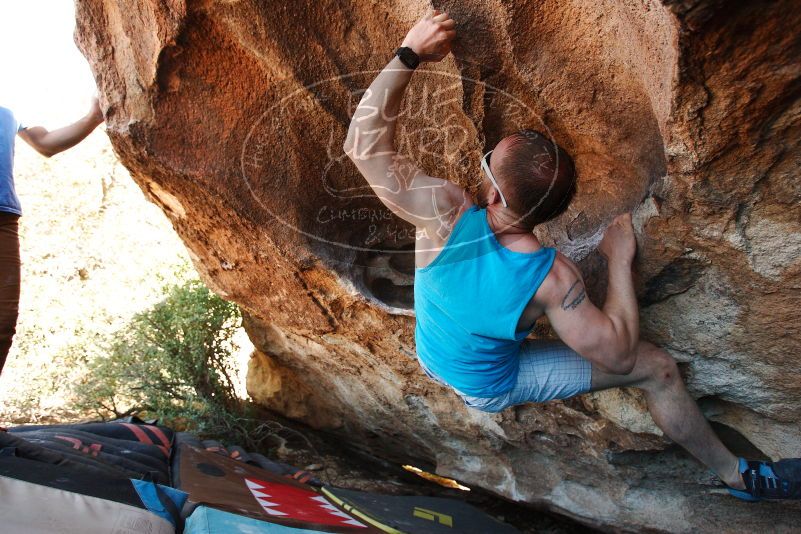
<point>606,337</point>
<point>403,188</point>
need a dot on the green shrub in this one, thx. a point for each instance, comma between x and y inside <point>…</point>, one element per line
<point>173,362</point>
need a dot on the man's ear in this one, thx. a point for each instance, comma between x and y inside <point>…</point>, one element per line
<point>492,196</point>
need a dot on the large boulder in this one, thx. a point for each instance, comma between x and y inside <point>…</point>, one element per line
<point>231,116</point>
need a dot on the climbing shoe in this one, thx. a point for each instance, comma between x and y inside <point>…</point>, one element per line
<point>769,480</point>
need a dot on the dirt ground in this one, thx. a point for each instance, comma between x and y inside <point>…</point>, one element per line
<point>94,252</point>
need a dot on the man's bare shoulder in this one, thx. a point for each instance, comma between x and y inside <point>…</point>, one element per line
<point>451,206</point>
<point>562,276</point>
<point>450,203</point>
<point>456,198</point>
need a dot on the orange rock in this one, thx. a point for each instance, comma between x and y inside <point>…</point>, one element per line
<point>231,116</point>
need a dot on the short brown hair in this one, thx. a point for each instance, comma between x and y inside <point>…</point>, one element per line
<point>537,176</point>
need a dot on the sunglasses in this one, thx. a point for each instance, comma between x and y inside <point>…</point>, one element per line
<point>486,168</point>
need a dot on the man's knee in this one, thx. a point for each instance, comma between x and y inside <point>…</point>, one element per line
<point>662,368</point>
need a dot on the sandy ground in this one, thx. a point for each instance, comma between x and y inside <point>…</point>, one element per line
<point>94,252</point>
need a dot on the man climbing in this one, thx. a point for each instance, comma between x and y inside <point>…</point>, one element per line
<point>482,279</point>
<point>47,143</point>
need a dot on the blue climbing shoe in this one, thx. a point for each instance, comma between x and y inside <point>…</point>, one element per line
<point>769,480</point>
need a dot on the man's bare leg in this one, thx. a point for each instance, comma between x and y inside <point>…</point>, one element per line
<point>673,410</point>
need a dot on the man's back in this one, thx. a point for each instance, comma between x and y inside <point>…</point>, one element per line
<point>468,307</point>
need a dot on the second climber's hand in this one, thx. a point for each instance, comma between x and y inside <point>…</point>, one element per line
<point>432,36</point>
<point>95,114</point>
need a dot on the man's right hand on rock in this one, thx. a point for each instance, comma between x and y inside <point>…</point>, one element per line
<point>432,36</point>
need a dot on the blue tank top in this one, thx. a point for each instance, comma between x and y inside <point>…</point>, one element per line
<point>468,302</point>
<point>8,131</point>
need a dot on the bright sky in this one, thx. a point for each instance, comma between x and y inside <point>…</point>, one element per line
<point>44,78</point>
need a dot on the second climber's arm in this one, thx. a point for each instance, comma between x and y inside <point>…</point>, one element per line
<point>51,142</point>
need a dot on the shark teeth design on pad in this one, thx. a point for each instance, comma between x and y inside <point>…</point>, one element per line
<point>291,502</point>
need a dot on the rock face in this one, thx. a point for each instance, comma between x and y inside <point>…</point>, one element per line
<point>231,116</point>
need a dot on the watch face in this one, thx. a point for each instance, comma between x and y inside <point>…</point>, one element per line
<point>408,57</point>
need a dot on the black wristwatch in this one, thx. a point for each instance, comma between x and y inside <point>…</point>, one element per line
<point>408,57</point>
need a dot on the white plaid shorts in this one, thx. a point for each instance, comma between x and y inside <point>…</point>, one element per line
<point>548,370</point>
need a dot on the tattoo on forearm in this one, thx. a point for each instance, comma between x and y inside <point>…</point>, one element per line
<point>574,296</point>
